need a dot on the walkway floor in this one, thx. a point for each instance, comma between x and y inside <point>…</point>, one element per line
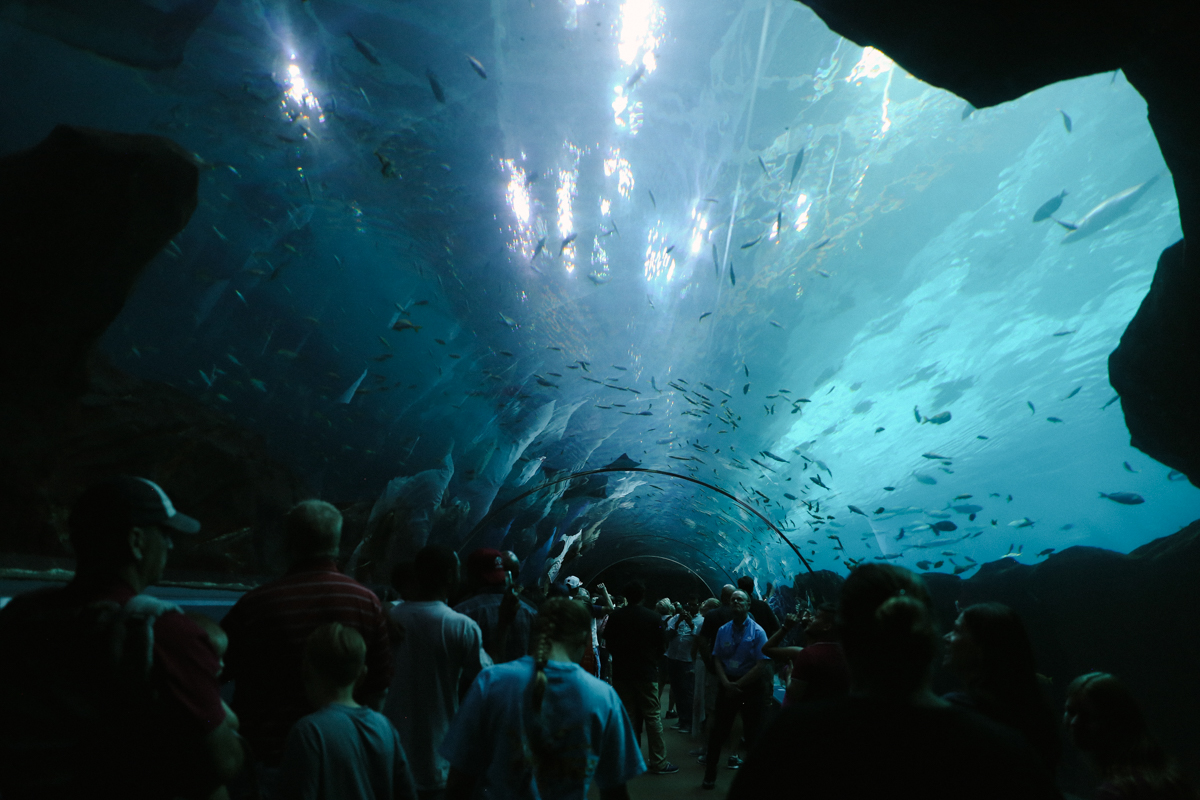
<point>686,782</point>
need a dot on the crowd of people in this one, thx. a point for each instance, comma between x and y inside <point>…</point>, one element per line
<point>462,687</point>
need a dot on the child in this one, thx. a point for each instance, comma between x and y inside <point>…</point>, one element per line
<point>343,749</point>
<point>219,643</point>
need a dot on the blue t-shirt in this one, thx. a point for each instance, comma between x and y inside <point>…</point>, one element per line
<point>584,731</point>
<point>740,650</point>
<point>341,752</point>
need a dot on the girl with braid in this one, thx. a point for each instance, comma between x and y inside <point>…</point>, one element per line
<point>541,727</point>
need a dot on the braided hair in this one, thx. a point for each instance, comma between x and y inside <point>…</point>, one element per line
<point>559,620</point>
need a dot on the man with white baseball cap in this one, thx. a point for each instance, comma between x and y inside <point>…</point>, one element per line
<point>105,691</point>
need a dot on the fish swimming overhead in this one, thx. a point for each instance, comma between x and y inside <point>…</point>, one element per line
<point>368,52</point>
<point>1109,211</point>
<point>751,243</point>
<point>944,526</point>
<point>771,455</point>
<point>938,419</point>
<point>1046,209</point>
<point>478,67</point>
<point>1023,522</point>
<point>435,86</point>
<point>856,510</point>
<point>1125,498</point>
<point>796,164</point>
<point>540,246</point>
<point>817,481</point>
<point>567,242</point>
<point>1066,120</point>
<point>637,75</point>
<point>405,325</point>
<point>732,276</point>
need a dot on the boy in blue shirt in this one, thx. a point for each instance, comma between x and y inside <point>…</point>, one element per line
<point>343,749</point>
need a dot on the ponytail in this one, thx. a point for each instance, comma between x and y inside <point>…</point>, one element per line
<point>559,620</point>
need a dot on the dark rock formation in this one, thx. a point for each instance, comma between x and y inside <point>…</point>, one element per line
<point>81,215</point>
<point>129,31</point>
<point>990,53</point>
<point>1136,616</point>
<point>1154,368</point>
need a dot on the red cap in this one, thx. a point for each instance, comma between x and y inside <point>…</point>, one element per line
<point>486,565</point>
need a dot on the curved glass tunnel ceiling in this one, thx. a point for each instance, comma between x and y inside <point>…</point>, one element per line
<point>612,245</point>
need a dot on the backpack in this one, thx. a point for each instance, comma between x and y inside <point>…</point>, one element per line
<point>77,699</point>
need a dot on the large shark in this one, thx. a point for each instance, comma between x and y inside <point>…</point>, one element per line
<point>1107,212</point>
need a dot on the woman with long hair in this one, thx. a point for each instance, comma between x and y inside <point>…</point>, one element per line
<point>1107,725</point>
<point>990,652</point>
<point>541,726</point>
<point>892,736</point>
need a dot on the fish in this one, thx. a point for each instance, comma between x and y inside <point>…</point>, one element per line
<point>856,510</point>
<point>259,385</point>
<point>1175,475</point>
<point>540,246</point>
<point>405,325</point>
<point>1064,333</point>
<point>1066,120</point>
<point>1125,498</point>
<point>925,565</point>
<point>435,86</point>
<point>889,488</point>
<point>1047,209</point>
<point>477,66</point>
<point>599,277</point>
<point>796,164</point>
<point>944,525</point>
<point>385,342</point>
<point>241,297</point>
<point>1114,399</point>
<point>879,430</point>
<point>817,481</point>
<point>669,249</point>
<point>348,395</point>
<point>928,480</point>
<point>751,243</point>
<point>1023,522</point>
<point>935,457</point>
<point>653,202</point>
<point>1032,409</point>
<point>509,321</point>
<point>917,414</point>
<point>383,357</point>
<point>1074,392</point>
<point>1071,226</point>
<point>968,110</point>
<point>1108,211</point>
<point>368,52</point>
<point>705,314</point>
<point>774,324</point>
<point>1127,467</point>
<point>938,564</point>
<point>824,274</point>
<point>386,168</point>
<point>771,455</point>
<point>747,370</point>
<point>1053,419</point>
<point>790,496</point>
<point>964,497</point>
<point>961,568</point>
<point>637,75</point>
<point>981,436</point>
<point>440,341</point>
<point>566,243</point>
<point>291,354</point>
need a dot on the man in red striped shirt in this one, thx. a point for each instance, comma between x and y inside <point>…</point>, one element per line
<point>268,626</point>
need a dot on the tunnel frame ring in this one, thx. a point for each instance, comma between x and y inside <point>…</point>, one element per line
<point>584,473</point>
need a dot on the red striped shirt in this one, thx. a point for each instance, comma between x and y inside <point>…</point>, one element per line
<point>267,628</point>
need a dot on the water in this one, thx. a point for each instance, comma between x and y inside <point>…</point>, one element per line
<point>898,273</point>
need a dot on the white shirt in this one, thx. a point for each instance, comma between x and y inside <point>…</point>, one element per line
<point>586,735</point>
<point>439,657</point>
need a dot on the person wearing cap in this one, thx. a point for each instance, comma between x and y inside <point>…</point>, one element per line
<point>489,576</point>
<point>106,691</point>
<point>269,625</point>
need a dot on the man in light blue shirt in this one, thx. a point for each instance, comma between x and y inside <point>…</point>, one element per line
<point>738,662</point>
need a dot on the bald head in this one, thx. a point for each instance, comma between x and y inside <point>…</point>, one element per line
<point>511,563</point>
<point>313,529</point>
<point>727,592</point>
